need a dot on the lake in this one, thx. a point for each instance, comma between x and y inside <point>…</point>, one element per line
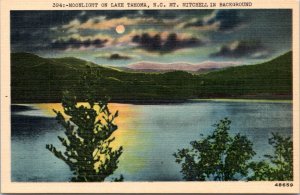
<point>150,134</point>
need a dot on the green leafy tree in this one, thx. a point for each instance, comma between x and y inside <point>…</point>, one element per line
<point>218,157</point>
<point>88,138</point>
<point>279,166</point>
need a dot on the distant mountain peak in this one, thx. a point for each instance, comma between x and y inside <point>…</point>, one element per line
<point>183,66</point>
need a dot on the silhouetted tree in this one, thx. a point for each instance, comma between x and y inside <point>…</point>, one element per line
<point>218,157</point>
<point>88,138</point>
<point>279,166</point>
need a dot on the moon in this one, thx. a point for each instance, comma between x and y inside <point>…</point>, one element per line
<point>120,29</point>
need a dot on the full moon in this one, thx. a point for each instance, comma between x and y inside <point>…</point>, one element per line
<point>120,29</point>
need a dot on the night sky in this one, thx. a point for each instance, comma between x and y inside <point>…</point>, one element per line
<point>122,38</point>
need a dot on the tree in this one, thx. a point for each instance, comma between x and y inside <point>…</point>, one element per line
<point>88,131</point>
<point>279,166</point>
<point>218,157</point>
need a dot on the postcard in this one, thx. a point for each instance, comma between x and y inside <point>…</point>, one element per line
<point>149,96</point>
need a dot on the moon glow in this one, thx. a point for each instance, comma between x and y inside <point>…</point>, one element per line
<point>120,29</point>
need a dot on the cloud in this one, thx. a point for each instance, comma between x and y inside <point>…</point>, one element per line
<point>73,43</point>
<point>33,31</point>
<point>159,14</point>
<point>41,31</point>
<point>41,19</point>
<point>29,39</point>
<point>239,49</point>
<point>219,20</point>
<point>115,56</point>
<point>172,42</point>
<point>102,23</point>
<point>105,20</point>
<point>111,14</point>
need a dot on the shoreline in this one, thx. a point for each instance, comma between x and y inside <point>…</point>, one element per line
<point>243,100</point>
<point>161,102</point>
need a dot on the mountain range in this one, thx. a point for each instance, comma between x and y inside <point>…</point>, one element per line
<point>40,80</point>
<point>203,67</point>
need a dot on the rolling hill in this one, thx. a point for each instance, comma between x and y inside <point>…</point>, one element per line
<point>39,80</point>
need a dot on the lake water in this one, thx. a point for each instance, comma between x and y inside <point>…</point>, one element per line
<point>150,134</point>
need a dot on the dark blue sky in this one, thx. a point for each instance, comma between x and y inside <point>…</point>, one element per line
<point>120,38</point>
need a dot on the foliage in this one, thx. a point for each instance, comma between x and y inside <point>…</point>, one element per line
<point>36,79</point>
<point>218,157</point>
<point>88,131</point>
<point>279,166</point>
